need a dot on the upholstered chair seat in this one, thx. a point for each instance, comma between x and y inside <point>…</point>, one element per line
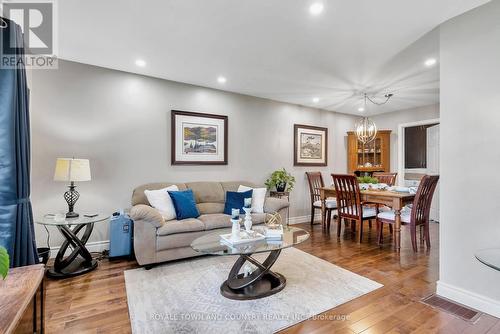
<point>330,203</point>
<point>390,215</point>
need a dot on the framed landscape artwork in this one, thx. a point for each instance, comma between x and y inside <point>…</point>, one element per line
<point>198,139</point>
<point>310,145</point>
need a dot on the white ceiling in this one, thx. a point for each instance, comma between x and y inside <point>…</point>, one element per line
<point>272,49</point>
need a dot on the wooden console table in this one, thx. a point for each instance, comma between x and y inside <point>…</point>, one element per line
<point>21,300</point>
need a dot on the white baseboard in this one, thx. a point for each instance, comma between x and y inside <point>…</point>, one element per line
<point>95,246</point>
<point>303,219</point>
<point>471,299</point>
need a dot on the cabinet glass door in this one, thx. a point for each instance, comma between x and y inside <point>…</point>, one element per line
<point>370,154</point>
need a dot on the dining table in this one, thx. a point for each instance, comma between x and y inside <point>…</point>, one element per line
<point>394,199</point>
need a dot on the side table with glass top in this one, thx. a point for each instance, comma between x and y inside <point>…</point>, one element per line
<point>262,282</point>
<point>489,257</point>
<point>79,260</point>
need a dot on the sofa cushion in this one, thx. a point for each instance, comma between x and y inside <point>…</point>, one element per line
<point>207,208</point>
<point>258,197</point>
<point>207,192</point>
<point>138,196</point>
<point>160,200</point>
<point>181,226</point>
<point>216,220</point>
<point>185,206</point>
<point>234,185</point>
<point>236,200</point>
<point>258,218</point>
<point>179,240</point>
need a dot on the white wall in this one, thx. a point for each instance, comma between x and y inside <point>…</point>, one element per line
<point>391,121</point>
<point>470,158</point>
<point>121,122</point>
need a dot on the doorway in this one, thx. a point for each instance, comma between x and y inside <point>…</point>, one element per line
<point>418,155</point>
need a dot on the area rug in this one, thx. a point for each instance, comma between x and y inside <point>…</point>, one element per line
<point>184,297</point>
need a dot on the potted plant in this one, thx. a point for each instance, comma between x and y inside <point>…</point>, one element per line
<point>281,180</point>
<point>4,262</point>
<point>367,179</point>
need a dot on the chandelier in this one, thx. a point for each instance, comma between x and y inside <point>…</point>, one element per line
<point>365,128</point>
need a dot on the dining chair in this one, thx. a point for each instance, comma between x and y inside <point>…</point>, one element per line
<point>417,216</point>
<point>387,178</point>
<point>390,180</point>
<point>349,203</point>
<point>315,180</point>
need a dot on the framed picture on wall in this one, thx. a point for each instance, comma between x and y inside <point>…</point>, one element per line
<point>198,139</point>
<point>310,145</point>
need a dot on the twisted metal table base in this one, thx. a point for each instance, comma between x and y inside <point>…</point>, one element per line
<point>71,265</point>
<point>261,283</point>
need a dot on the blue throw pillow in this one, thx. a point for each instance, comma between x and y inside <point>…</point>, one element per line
<point>236,200</point>
<point>184,204</point>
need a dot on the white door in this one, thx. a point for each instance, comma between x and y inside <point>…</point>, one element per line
<point>433,165</point>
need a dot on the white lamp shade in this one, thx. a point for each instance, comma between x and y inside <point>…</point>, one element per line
<point>70,170</point>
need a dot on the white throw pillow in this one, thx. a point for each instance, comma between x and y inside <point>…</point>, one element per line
<point>258,197</point>
<point>160,200</point>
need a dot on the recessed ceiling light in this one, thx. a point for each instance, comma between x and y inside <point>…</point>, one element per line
<point>315,99</point>
<point>316,8</point>
<point>361,109</point>
<point>140,63</point>
<point>221,80</point>
<point>430,62</point>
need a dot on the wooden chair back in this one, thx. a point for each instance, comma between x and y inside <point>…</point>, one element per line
<point>387,178</point>
<point>423,200</point>
<point>315,180</point>
<point>348,196</point>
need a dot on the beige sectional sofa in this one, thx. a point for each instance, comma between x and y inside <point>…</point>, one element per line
<point>157,240</point>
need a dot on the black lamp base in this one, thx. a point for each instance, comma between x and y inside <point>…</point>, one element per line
<point>71,196</point>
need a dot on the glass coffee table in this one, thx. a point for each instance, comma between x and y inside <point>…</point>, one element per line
<point>79,261</point>
<point>262,282</point>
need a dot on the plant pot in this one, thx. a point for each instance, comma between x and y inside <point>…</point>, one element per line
<point>281,187</point>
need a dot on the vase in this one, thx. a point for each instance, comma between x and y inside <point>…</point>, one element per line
<point>248,219</point>
<point>280,187</point>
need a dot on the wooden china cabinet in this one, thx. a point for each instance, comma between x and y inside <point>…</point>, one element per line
<point>374,156</point>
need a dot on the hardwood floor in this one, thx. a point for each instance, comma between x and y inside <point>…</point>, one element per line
<point>97,302</point>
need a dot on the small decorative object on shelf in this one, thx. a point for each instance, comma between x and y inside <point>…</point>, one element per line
<point>72,170</point>
<point>235,231</point>
<point>281,180</point>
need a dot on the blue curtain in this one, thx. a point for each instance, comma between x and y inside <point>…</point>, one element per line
<point>16,218</point>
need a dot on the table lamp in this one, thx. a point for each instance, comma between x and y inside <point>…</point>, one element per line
<point>72,170</point>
